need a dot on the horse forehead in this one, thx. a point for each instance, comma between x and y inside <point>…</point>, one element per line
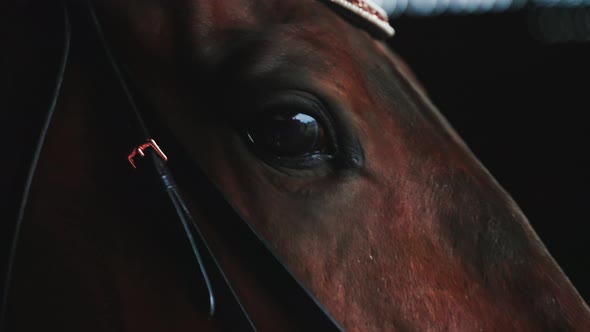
<point>218,23</point>
<point>245,14</point>
<point>307,29</point>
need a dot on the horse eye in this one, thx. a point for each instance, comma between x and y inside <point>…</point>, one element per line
<point>288,134</point>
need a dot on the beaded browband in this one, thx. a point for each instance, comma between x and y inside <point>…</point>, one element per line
<point>368,12</point>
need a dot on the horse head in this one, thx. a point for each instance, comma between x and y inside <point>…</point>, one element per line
<point>323,140</point>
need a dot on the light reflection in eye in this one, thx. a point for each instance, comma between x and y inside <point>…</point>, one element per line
<point>304,118</point>
<point>287,134</point>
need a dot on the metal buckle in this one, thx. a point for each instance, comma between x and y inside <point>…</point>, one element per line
<point>139,150</point>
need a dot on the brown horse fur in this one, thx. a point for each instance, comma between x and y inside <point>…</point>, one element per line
<point>410,234</point>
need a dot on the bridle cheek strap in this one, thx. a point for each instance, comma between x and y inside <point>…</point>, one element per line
<point>158,160</point>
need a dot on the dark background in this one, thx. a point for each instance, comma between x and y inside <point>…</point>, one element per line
<point>520,103</point>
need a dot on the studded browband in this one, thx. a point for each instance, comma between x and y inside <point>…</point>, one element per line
<point>369,13</point>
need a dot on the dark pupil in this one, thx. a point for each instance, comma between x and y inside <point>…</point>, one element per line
<point>287,135</point>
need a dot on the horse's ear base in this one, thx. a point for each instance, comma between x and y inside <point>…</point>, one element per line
<point>364,14</point>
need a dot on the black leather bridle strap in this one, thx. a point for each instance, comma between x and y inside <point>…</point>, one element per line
<point>162,170</point>
<point>67,35</point>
